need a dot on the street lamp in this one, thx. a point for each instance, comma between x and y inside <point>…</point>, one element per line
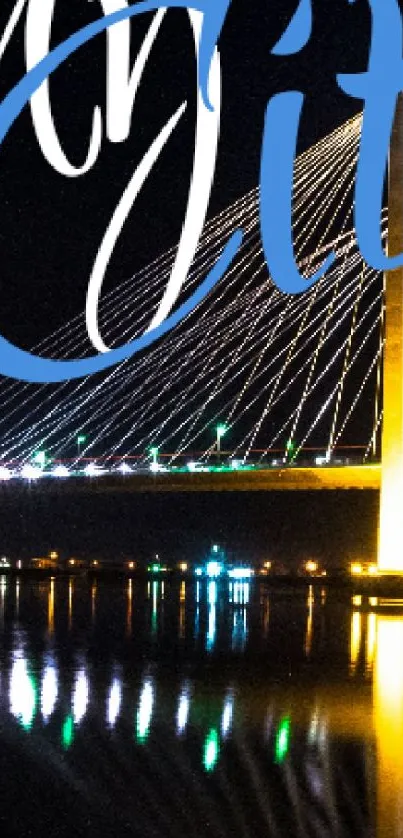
<point>290,450</point>
<point>154,454</point>
<point>221,431</point>
<point>81,439</point>
<point>39,458</point>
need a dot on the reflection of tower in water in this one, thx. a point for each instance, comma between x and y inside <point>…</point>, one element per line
<point>388,723</point>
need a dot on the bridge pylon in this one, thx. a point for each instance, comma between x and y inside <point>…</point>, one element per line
<point>390,540</point>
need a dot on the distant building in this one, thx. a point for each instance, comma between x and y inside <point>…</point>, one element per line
<point>44,563</point>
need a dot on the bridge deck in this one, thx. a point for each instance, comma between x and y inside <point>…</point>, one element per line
<point>264,480</point>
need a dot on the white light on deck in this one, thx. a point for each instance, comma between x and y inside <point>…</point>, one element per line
<point>31,472</point>
<point>124,468</point>
<point>60,471</point>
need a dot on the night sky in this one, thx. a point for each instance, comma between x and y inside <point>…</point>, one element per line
<point>51,226</point>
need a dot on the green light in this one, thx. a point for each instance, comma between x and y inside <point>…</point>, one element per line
<point>282,743</point>
<point>39,458</point>
<point>154,452</point>
<point>67,732</point>
<point>155,568</point>
<point>81,439</point>
<point>221,430</point>
<point>211,750</point>
<point>290,446</point>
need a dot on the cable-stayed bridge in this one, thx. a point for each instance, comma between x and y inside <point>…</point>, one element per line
<point>290,378</point>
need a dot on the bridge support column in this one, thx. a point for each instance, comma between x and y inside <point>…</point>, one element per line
<point>390,544</point>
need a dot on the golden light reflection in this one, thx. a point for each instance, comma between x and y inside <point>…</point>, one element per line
<point>266,615</point>
<point>355,639</point>
<point>371,643</point>
<point>388,722</point>
<point>71,595</point>
<point>309,623</point>
<point>129,607</point>
<point>51,607</point>
<point>182,615</point>
<point>390,538</point>
<point>93,601</point>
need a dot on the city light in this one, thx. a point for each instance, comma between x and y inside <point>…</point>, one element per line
<point>183,567</point>
<point>356,569</point>
<point>5,473</point>
<point>214,569</point>
<point>240,573</point>
<point>211,750</point>
<point>311,566</point>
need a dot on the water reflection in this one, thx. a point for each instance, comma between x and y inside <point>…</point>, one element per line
<point>145,711</point>
<point>80,696</point>
<point>183,709</point>
<point>309,622</point>
<point>255,708</point>
<point>129,607</point>
<point>388,718</point>
<point>23,692</point>
<point>212,589</point>
<point>114,702</point>
<point>49,690</point>
<point>51,607</point>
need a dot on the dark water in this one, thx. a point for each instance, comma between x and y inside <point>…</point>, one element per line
<point>168,708</point>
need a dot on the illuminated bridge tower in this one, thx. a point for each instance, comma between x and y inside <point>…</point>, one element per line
<point>390,547</point>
